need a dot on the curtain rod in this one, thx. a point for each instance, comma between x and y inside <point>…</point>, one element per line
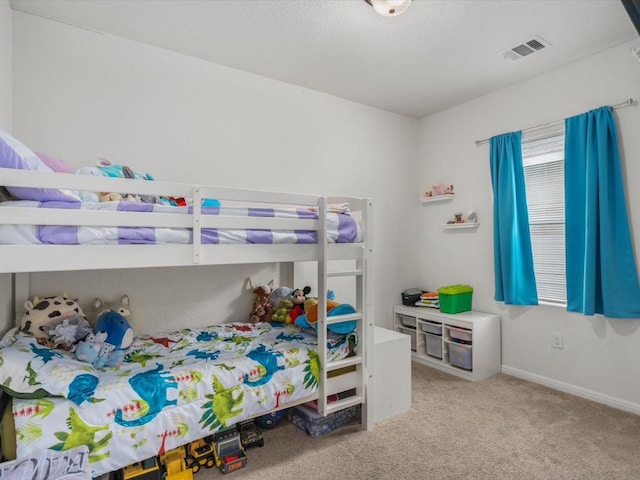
<point>627,103</point>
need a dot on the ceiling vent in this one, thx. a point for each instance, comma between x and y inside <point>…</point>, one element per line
<point>531,46</point>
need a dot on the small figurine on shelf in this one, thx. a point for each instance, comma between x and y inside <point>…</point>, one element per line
<point>439,189</point>
<point>458,218</point>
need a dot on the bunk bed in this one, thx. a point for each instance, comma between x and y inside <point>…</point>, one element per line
<point>298,228</point>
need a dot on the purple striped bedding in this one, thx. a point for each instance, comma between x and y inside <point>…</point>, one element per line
<point>341,227</point>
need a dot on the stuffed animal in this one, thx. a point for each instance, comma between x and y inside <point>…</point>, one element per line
<point>118,171</point>
<point>282,311</point>
<point>105,346</point>
<point>108,356</point>
<point>96,351</point>
<point>123,171</point>
<point>65,333</point>
<point>278,294</point>
<point>86,196</point>
<point>42,311</point>
<point>123,307</point>
<point>298,297</point>
<point>116,327</point>
<point>280,300</point>
<point>310,317</point>
<point>88,350</point>
<point>262,309</point>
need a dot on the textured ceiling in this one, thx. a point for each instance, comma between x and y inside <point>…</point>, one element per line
<point>435,55</point>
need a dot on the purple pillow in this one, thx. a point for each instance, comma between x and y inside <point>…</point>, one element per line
<point>14,154</point>
<point>55,163</point>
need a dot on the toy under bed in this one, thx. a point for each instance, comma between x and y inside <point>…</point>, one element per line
<point>172,388</point>
<point>341,226</point>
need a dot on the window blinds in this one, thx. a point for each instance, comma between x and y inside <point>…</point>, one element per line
<point>543,159</point>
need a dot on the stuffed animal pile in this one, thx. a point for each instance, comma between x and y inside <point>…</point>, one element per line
<point>310,317</point>
<point>112,334</point>
<point>58,322</point>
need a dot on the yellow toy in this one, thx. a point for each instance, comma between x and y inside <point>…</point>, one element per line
<point>175,466</point>
<point>146,470</point>
<point>200,453</point>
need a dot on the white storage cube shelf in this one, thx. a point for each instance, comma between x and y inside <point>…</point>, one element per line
<point>465,344</point>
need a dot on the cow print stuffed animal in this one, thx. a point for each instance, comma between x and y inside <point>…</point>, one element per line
<point>41,312</point>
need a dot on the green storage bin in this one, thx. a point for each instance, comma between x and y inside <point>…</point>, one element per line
<point>455,298</point>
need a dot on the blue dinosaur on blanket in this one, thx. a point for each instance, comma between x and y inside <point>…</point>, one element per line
<point>152,386</point>
<point>268,359</point>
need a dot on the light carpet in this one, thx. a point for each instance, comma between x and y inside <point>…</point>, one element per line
<point>499,428</point>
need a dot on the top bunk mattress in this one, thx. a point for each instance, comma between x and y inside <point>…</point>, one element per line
<point>341,227</point>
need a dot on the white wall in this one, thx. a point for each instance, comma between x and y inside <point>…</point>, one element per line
<point>81,95</point>
<point>600,356</point>
<point>6,44</point>
<point>6,98</point>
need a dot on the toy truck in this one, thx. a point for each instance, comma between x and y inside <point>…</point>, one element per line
<point>145,470</point>
<point>250,434</point>
<point>175,465</point>
<point>200,453</point>
<point>228,451</point>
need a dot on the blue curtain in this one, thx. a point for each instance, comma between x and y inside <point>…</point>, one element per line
<point>515,281</point>
<point>601,268</point>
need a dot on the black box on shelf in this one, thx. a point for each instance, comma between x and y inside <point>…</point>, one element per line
<point>411,296</point>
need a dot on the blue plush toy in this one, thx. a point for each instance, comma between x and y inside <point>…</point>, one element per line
<point>120,171</point>
<point>116,327</point>
<point>88,350</point>
<point>96,351</point>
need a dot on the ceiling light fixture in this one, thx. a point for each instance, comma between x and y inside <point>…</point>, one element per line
<point>389,8</point>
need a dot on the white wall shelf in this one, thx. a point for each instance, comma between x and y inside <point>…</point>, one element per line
<point>459,225</point>
<point>434,350</point>
<point>436,198</point>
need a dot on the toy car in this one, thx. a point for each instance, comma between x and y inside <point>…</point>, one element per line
<point>200,453</point>
<point>250,435</point>
<point>228,450</point>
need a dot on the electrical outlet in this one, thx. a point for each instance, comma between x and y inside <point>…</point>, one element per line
<point>556,340</point>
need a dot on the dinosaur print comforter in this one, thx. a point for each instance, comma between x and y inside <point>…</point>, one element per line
<point>171,389</point>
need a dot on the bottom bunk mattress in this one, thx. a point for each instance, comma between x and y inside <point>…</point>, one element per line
<point>171,389</point>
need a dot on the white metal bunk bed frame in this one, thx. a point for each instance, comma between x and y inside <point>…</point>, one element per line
<point>20,260</point>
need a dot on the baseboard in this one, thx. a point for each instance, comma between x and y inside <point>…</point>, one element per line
<point>608,400</point>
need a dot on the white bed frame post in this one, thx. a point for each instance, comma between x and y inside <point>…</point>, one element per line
<point>20,294</point>
<point>322,305</point>
<point>366,296</point>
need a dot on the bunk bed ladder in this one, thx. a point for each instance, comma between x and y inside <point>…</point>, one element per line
<point>343,375</point>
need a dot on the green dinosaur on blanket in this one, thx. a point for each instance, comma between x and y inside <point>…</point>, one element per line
<point>312,370</point>
<point>83,434</point>
<point>140,357</point>
<point>32,375</point>
<point>222,406</point>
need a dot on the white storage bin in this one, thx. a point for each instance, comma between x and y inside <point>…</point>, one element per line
<point>412,333</point>
<point>460,355</point>
<point>408,321</point>
<point>461,334</point>
<point>432,327</point>
<point>434,345</point>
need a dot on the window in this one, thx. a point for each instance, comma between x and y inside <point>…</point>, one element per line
<point>543,159</point>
